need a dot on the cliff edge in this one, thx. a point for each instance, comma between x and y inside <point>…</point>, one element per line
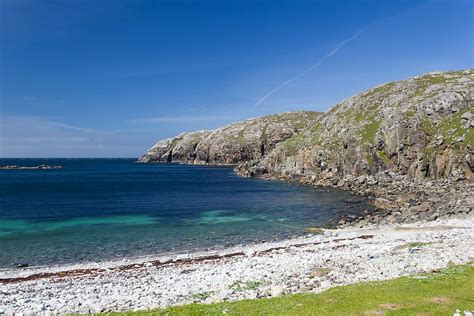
<point>406,144</point>
<point>421,127</point>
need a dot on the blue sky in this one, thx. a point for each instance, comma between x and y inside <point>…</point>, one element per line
<point>110,78</point>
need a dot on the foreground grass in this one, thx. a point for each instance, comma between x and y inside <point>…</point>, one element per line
<point>439,293</point>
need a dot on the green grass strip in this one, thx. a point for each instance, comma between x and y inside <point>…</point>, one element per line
<point>438,293</point>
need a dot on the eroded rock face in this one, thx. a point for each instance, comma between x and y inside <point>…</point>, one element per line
<point>180,148</point>
<point>421,128</point>
<point>231,144</point>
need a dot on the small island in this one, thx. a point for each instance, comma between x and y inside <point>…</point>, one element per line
<point>41,167</point>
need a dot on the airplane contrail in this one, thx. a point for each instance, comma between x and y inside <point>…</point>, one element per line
<point>316,65</point>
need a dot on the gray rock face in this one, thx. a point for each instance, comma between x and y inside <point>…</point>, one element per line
<point>421,128</point>
<point>231,144</point>
<point>180,148</point>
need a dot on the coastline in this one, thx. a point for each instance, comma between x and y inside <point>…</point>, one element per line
<point>311,263</point>
<point>418,227</point>
<point>434,217</point>
<point>396,198</point>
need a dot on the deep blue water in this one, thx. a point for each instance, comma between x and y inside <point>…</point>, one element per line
<point>98,209</point>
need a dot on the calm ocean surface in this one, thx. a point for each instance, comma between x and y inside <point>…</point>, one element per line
<point>98,209</point>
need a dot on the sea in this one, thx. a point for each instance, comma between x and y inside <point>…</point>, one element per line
<point>94,210</point>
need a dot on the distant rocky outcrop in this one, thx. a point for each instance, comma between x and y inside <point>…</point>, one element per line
<point>232,144</point>
<point>421,127</point>
<point>181,148</point>
<point>40,167</point>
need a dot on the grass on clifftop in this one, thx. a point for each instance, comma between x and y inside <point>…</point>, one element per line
<point>439,293</point>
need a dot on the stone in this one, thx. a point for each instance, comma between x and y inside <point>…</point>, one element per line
<point>315,230</point>
<point>439,141</point>
<point>459,139</point>
<point>320,272</point>
<point>466,116</point>
<point>411,270</point>
<point>22,265</point>
<point>384,204</point>
<point>419,208</point>
<point>276,290</point>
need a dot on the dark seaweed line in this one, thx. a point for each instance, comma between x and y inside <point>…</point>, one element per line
<point>159,264</point>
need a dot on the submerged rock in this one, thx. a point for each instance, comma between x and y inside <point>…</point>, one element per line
<point>22,265</point>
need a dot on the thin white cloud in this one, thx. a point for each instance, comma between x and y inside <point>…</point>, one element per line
<point>302,74</point>
<point>73,139</point>
<point>75,128</point>
<point>29,98</point>
<point>29,136</point>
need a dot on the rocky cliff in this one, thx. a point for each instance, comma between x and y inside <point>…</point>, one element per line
<point>421,127</point>
<point>232,144</point>
<point>407,145</point>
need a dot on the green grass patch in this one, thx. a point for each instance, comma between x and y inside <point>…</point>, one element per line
<point>175,141</point>
<point>366,114</point>
<point>469,137</point>
<point>426,81</point>
<point>370,160</point>
<point>201,296</point>
<point>298,118</point>
<point>382,155</point>
<point>240,286</point>
<point>434,79</point>
<point>241,137</point>
<point>263,138</point>
<point>438,293</point>
<point>294,144</point>
<point>428,127</point>
<point>379,90</point>
<point>369,131</point>
<point>451,127</point>
<point>409,114</point>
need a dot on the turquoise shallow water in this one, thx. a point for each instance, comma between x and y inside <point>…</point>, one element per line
<point>13,228</point>
<point>100,209</point>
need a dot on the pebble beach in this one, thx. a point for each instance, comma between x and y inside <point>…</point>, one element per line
<point>311,263</point>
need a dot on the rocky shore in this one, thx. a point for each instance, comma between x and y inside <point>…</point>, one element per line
<point>40,167</point>
<point>307,264</point>
<point>406,145</point>
<point>397,199</point>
